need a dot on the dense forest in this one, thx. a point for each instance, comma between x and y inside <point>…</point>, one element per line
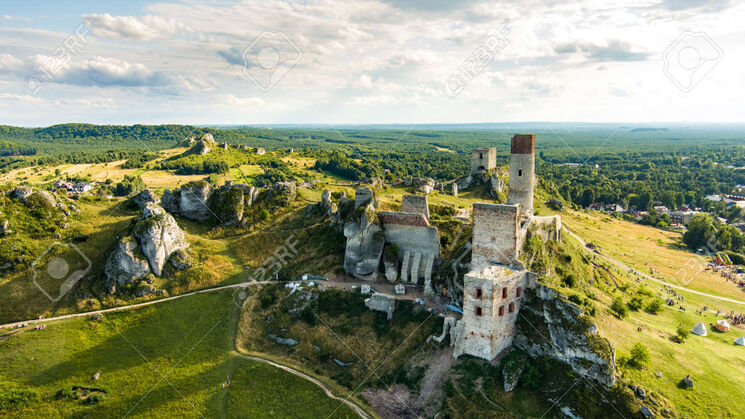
<point>631,165</point>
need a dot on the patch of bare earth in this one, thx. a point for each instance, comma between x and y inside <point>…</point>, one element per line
<point>398,402</point>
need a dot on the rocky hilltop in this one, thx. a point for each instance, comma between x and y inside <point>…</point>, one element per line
<point>155,238</point>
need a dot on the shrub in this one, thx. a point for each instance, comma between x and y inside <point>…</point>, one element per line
<point>654,306</point>
<point>570,280</point>
<point>636,302</point>
<point>619,307</point>
<point>682,333</point>
<point>639,355</point>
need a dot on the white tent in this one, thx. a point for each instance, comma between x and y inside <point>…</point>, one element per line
<point>740,341</point>
<point>699,329</point>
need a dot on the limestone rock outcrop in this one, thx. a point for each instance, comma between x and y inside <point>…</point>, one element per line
<point>158,236</point>
<point>155,239</point>
<point>145,197</point>
<point>193,201</point>
<point>549,325</point>
<point>125,265</point>
<point>382,302</point>
<point>230,201</point>
<point>365,238</point>
<point>285,191</point>
<point>32,197</point>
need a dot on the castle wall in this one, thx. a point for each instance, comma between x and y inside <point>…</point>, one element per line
<point>413,236</point>
<point>495,234</point>
<point>522,172</point>
<point>415,204</point>
<point>483,159</point>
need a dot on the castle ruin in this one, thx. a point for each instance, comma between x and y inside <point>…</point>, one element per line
<point>493,289</point>
<point>483,160</point>
<point>522,172</point>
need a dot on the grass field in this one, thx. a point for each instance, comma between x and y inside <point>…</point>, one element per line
<point>644,247</point>
<point>165,360</point>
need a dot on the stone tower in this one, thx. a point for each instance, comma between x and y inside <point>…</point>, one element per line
<point>522,172</point>
<point>493,290</point>
<point>483,159</point>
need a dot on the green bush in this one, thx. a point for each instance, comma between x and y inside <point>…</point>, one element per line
<point>639,355</point>
<point>654,306</point>
<point>636,302</point>
<point>682,333</point>
<point>619,307</point>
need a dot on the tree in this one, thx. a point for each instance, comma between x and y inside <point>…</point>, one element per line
<point>700,230</point>
<point>639,355</point>
<point>588,197</point>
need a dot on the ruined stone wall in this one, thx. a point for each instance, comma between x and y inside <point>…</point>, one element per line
<point>410,232</point>
<point>415,204</point>
<point>483,159</point>
<point>522,172</point>
<point>495,234</point>
<point>491,302</point>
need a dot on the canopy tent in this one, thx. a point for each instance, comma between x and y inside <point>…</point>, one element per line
<point>740,341</point>
<point>722,325</point>
<point>699,329</point>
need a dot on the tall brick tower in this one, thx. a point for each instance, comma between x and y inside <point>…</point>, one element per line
<point>522,172</point>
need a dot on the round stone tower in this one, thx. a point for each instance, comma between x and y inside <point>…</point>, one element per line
<point>522,172</point>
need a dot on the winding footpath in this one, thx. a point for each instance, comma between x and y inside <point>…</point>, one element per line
<point>622,265</point>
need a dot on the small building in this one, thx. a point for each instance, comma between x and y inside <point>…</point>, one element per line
<point>681,217</point>
<point>661,209</point>
<point>82,187</point>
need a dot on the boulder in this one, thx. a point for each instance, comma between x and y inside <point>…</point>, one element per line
<point>390,269</point>
<point>22,192</point>
<point>180,260</point>
<point>124,265</point>
<point>286,191</point>
<point>145,289</point>
<point>145,197</point>
<point>454,189</point>
<point>159,236</point>
<point>5,228</point>
<point>399,289</point>
<point>687,382</point>
<point>193,201</point>
<point>646,412</point>
<point>382,302</point>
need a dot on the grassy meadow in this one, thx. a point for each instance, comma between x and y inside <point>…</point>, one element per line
<point>169,360</point>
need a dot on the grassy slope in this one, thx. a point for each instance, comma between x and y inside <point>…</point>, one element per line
<point>190,341</point>
<point>645,247</point>
<point>714,362</point>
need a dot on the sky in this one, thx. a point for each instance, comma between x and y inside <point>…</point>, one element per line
<point>370,61</point>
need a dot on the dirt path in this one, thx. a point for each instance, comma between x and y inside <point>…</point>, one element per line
<point>649,277</point>
<point>307,377</point>
<point>131,306</point>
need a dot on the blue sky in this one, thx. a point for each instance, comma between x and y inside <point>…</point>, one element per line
<point>370,61</point>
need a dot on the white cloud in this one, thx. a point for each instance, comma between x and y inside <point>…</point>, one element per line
<point>133,28</point>
<point>232,100</point>
<point>22,98</point>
